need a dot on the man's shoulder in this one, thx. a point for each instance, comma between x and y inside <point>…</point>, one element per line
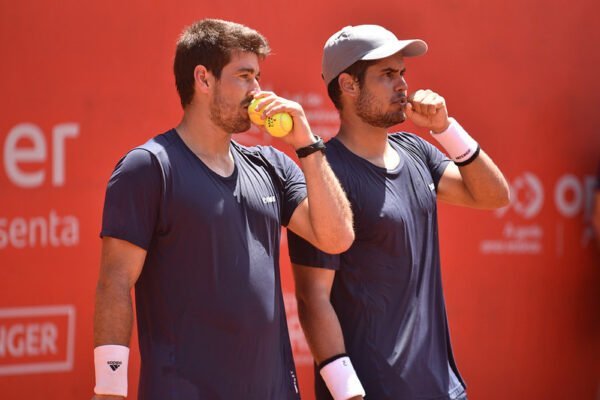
<point>404,139</point>
<point>159,143</point>
<point>149,155</point>
<point>335,150</point>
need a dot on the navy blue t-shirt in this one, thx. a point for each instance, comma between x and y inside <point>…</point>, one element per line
<point>387,290</point>
<point>211,319</point>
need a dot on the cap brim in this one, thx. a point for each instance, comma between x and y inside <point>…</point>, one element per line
<point>409,48</point>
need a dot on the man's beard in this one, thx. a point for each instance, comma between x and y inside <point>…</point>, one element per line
<point>227,115</point>
<point>372,113</point>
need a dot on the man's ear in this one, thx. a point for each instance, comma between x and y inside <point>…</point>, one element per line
<point>201,78</point>
<point>348,84</point>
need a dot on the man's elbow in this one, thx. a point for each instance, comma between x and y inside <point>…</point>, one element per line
<point>503,197</point>
<point>338,242</point>
<point>498,198</point>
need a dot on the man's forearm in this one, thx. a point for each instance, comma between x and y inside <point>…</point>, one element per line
<point>113,315</point>
<point>324,335</point>
<point>485,182</point>
<point>321,328</point>
<point>113,319</point>
<point>329,209</point>
<point>482,185</point>
<point>120,267</point>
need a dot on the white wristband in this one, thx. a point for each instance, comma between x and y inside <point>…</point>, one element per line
<point>460,146</point>
<point>111,369</point>
<point>341,379</point>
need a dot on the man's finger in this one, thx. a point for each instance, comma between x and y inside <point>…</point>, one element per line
<point>409,110</point>
<point>432,109</point>
<point>419,96</point>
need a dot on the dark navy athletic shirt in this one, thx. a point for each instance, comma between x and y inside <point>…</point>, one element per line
<point>387,290</point>
<point>211,319</point>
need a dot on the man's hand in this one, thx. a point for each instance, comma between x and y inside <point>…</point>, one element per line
<point>271,104</point>
<point>427,109</point>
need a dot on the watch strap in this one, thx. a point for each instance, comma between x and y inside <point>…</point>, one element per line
<point>311,148</point>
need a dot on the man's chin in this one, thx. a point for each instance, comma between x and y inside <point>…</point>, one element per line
<point>401,120</point>
<point>242,127</point>
<point>398,119</point>
<point>389,122</point>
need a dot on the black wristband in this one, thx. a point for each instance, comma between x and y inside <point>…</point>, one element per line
<point>330,360</point>
<point>470,159</point>
<point>311,148</point>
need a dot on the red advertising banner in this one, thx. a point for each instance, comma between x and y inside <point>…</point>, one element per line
<point>83,82</point>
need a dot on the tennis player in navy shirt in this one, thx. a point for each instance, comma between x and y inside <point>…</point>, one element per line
<point>374,316</point>
<point>192,219</point>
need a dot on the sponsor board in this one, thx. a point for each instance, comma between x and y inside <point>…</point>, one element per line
<point>37,339</point>
<point>525,232</point>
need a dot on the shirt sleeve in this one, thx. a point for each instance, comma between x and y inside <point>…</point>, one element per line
<point>290,179</point>
<point>132,199</point>
<point>436,160</point>
<point>304,253</point>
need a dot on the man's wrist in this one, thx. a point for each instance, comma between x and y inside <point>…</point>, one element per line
<point>340,377</point>
<point>461,147</point>
<point>111,370</point>
<point>312,139</point>
<point>444,128</point>
<point>314,147</point>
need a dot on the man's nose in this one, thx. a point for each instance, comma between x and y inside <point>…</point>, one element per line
<point>401,85</point>
<point>255,85</point>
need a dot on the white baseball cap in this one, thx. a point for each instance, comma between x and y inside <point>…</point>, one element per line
<point>364,42</point>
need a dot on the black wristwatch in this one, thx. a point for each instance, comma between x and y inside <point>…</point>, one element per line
<point>308,150</point>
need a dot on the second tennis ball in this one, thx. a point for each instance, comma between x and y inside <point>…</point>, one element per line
<point>279,124</point>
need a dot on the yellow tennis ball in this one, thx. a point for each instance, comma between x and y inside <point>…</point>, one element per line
<point>255,115</point>
<point>279,124</point>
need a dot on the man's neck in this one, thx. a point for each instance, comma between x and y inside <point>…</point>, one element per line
<point>208,141</point>
<point>202,136</point>
<point>367,141</point>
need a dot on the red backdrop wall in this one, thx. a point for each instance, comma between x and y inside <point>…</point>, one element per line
<point>83,82</point>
